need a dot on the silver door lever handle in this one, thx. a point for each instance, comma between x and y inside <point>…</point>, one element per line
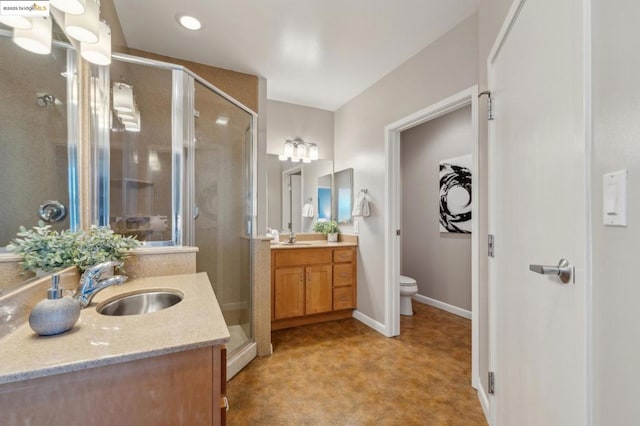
<point>564,270</point>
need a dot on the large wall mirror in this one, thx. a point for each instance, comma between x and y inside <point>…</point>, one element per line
<point>293,193</point>
<point>36,156</point>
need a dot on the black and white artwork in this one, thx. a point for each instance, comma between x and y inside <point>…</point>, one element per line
<point>455,195</point>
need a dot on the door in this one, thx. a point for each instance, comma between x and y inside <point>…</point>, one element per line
<point>538,215</point>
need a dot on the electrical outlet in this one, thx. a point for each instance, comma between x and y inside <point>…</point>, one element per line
<point>356,226</point>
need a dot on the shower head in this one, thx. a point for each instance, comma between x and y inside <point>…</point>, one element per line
<point>44,100</point>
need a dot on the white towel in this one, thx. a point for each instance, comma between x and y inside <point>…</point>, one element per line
<point>361,205</point>
<point>307,210</point>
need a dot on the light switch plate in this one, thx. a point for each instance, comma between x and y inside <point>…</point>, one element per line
<point>614,198</point>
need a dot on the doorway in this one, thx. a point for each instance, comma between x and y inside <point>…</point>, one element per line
<point>292,199</point>
<point>436,211</point>
<point>393,199</point>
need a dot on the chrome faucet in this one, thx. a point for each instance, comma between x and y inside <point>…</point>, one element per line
<point>292,237</point>
<point>90,282</point>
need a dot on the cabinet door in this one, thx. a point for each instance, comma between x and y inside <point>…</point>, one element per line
<point>319,292</point>
<point>289,293</point>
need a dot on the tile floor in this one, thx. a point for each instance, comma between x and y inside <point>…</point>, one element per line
<point>344,373</point>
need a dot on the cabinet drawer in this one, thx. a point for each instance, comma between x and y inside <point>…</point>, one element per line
<point>342,274</point>
<point>343,298</point>
<point>343,255</point>
<point>290,257</point>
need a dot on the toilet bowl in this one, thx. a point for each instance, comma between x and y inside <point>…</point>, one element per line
<point>408,287</point>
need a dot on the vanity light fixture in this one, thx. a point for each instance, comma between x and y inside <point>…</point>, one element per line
<point>85,27</point>
<point>98,53</point>
<point>74,7</point>
<point>189,22</point>
<point>298,150</point>
<point>81,21</point>
<point>38,38</point>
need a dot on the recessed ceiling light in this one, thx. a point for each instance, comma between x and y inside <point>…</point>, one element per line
<point>189,22</point>
<point>222,121</point>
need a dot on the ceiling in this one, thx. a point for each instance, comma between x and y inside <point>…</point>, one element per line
<point>318,53</point>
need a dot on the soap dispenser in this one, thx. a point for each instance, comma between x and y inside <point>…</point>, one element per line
<point>55,314</point>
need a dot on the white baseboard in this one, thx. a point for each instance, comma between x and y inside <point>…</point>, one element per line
<point>444,306</point>
<point>367,320</point>
<point>484,402</point>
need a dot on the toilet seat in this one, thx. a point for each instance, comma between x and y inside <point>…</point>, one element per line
<point>407,281</point>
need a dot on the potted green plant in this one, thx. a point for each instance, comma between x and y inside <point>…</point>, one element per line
<point>329,228</point>
<point>45,250</point>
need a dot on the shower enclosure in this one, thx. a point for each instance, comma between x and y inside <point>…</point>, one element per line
<point>181,174</point>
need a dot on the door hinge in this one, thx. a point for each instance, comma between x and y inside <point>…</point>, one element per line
<point>491,245</point>
<point>397,232</point>
<point>489,103</point>
<point>491,383</point>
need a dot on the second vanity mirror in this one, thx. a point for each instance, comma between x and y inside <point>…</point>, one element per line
<point>343,182</point>
<point>298,194</point>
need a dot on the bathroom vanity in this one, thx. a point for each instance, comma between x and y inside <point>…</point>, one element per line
<point>165,367</point>
<point>312,281</point>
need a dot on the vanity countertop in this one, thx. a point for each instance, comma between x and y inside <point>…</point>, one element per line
<point>312,244</point>
<point>315,240</point>
<point>98,340</point>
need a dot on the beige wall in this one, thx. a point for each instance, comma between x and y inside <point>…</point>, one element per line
<point>287,121</point>
<point>439,262</point>
<point>616,134</point>
<point>445,67</point>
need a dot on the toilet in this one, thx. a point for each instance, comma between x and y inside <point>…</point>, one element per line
<point>408,287</point>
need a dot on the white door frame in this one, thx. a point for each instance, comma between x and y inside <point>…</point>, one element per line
<point>393,200</point>
<point>508,23</point>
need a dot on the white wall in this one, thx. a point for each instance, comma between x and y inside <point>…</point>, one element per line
<point>440,262</point>
<point>442,69</point>
<point>287,121</point>
<point>616,146</point>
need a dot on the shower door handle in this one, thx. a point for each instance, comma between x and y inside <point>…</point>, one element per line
<point>564,270</point>
<point>196,212</point>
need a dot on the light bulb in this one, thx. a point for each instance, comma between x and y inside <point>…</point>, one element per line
<point>288,148</point>
<point>19,22</point>
<point>38,38</point>
<point>85,27</point>
<point>123,97</point>
<point>74,7</point>
<point>98,53</point>
<point>313,152</point>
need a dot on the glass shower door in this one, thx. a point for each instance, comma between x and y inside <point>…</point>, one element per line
<point>222,198</point>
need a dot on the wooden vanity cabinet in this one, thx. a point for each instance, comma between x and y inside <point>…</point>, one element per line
<point>312,285</point>
<point>181,388</point>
